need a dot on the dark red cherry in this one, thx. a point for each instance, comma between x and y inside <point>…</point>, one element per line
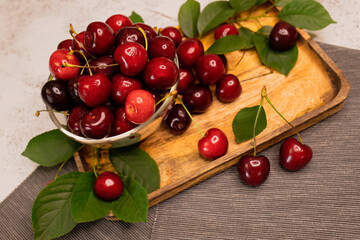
<point>73,121</point>
<point>103,65</point>
<point>156,95</point>
<point>162,46</point>
<point>66,44</point>
<point>79,44</point>
<point>283,36</point>
<point>189,51</point>
<point>186,80</point>
<point>121,86</point>
<point>225,62</point>
<point>108,186</point>
<point>198,98</point>
<point>121,124</point>
<point>294,155</point>
<point>139,106</point>
<point>209,69</point>
<point>149,31</point>
<point>177,120</point>
<point>97,123</point>
<point>173,33</point>
<point>131,57</point>
<point>99,38</point>
<point>160,73</point>
<point>55,95</point>
<point>214,144</point>
<point>57,61</point>
<point>253,170</point>
<point>94,90</point>
<point>118,21</point>
<point>228,88</point>
<point>73,89</point>
<point>225,30</point>
<point>129,34</point>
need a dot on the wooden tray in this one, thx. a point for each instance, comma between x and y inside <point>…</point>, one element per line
<point>314,90</point>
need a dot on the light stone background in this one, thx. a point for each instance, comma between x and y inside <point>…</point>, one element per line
<point>30,32</point>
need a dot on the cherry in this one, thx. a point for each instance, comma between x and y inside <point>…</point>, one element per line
<point>225,30</point>
<point>253,170</point>
<point>73,121</point>
<point>198,98</point>
<point>78,43</point>
<point>139,106</point>
<point>102,65</point>
<point>214,144</point>
<point>172,33</point>
<point>57,61</point>
<point>129,34</point>
<point>228,88</point>
<point>294,155</point>
<point>66,44</point>
<point>157,97</point>
<point>121,86</point>
<point>160,73</point>
<point>225,62</point>
<point>132,58</point>
<point>94,90</point>
<point>209,69</point>
<point>73,85</point>
<point>186,80</point>
<point>189,52</point>
<point>177,120</point>
<point>149,31</point>
<point>97,123</point>
<point>283,36</point>
<point>118,21</point>
<point>121,124</point>
<point>162,46</point>
<point>55,95</point>
<point>108,186</point>
<point>99,38</point>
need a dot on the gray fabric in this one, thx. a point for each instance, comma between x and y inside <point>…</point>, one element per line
<point>322,201</point>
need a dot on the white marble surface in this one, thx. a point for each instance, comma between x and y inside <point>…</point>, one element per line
<point>30,32</point>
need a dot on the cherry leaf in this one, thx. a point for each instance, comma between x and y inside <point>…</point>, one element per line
<point>242,5</point>
<point>246,34</point>
<point>188,16</point>
<point>227,44</point>
<point>136,18</point>
<point>282,3</point>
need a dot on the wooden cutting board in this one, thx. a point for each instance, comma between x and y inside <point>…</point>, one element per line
<point>314,90</point>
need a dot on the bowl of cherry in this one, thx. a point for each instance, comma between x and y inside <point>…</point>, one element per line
<point>112,84</point>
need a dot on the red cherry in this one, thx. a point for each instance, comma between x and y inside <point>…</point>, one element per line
<point>253,170</point>
<point>99,38</point>
<point>78,43</point>
<point>214,144</point>
<point>73,121</point>
<point>131,57</point>
<point>189,52</point>
<point>56,96</point>
<point>162,46</point>
<point>97,123</point>
<point>129,34</point>
<point>108,186</point>
<point>177,120</point>
<point>102,65</point>
<point>209,69</point>
<point>225,30</point>
<point>73,85</point>
<point>228,88</point>
<point>198,98</point>
<point>139,106</point>
<point>118,21</point>
<point>294,155</point>
<point>57,61</point>
<point>149,31</point>
<point>186,80</point>
<point>66,44</point>
<point>283,36</point>
<point>121,124</point>
<point>173,33</point>
<point>121,86</point>
<point>94,90</point>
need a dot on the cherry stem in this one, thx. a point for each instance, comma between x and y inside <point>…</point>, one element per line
<point>172,93</point>
<point>259,16</point>
<point>51,77</point>
<point>257,117</point>
<point>37,113</point>
<point>144,34</point>
<point>78,66</point>
<point>93,161</point>
<point>72,30</point>
<point>192,119</point>
<point>58,171</point>
<point>262,75</point>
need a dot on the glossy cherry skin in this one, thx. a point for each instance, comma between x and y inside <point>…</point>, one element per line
<point>73,86</point>
<point>139,106</point>
<point>97,123</point>
<point>121,124</point>
<point>186,80</point>
<point>108,186</point>
<point>57,61</point>
<point>294,155</point>
<point>118,21</point>
<point>177,120</point>
<point>99,38</point>
<point>198,98</point>
<point>131,57</point>
<point>283,36</point>
<point>214,144</point>
<point>160,73</point>
<point>189,51</point>
<point>228,88</point>
<point>94,90</point>
<point>162,46</point>
<point>209,69</point>
<point>73,121</point>
<point>225,30</point>
<point>172,33</point>
<point>129,34</point>
<point>55,95</point>
<point>102,65</point>
<point>253,170</point>
<point>121,86</point>
<point>79,44</point>
<point>66,44</point>
<point>149,31</point>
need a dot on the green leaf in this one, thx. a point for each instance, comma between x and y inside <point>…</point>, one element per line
<point>85,205</point>
<point>188,16</point>
<point>246,35</point>
<point>242,5</point>
<point>283,62</point>
<point>227,44</point>
<point>259,2</point>
<point>265,30</point>
<point>133,204</point>
<point>51,215</point>
<point>243,123</point>
<point>282,3</point>
<point>136,18</point>
<point>307,14</point>
<point>135,162</point>
<point>51,148</point>
<point>213,15</point>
